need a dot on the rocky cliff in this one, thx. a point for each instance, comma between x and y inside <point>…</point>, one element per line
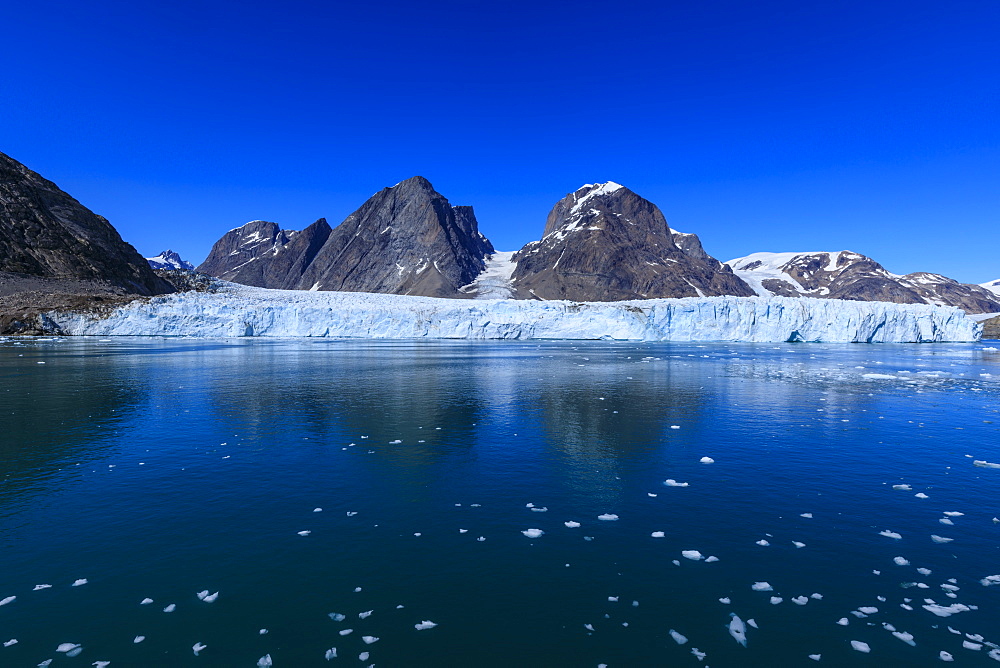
<point>406,239</point>
<point>46,234</point>
<point>606,243</point>
<point>849,275</point>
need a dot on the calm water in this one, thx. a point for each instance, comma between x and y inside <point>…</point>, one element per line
<point>162,468</point>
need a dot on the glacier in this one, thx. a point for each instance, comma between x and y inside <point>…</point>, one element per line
<point>237,311</point>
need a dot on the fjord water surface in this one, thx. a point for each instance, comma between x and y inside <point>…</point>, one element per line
<point>160,468</point>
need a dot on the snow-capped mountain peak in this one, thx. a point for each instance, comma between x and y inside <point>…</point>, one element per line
<point>168,259</point>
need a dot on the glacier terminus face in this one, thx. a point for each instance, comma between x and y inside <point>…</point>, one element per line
<point>236,310</point>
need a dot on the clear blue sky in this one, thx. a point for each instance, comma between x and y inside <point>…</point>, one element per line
<point>865,125</point>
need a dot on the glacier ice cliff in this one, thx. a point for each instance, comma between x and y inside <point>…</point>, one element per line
<point>236,310</point>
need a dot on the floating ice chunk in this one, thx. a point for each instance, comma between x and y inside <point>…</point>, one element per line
<point>304,533</point>
<point>336,616</point>
<point>40,587</point>
<point>607,517</point>
<point>798,544</point>
<point>815,657</point>
<point>396,442</point>
<point>101,664</point>
<point>981,463</point>
<point>317,510</point>
<point>170,608</point>
<point>800,600</point>
<point>945,520</point>
<point>818,597</point>
<point>198,647</point>
<point>900,561</point>
<point>651,494</point>
<point>352,513</point>
<point>868,610</point>
<point>694,555</point>
<point>941,539</point>
<point>366,614</point>
<point>208,598</point>
<point>9,599</point>
<point>945,656</point>
<point>12,641</point>
<point>463,531</point>
<point>843,621</point>
<point>751,622</point>
<point>145,601</point>
<point>357,589</point>
<point>369,639</point>
<point>330,654</point>
<point>670,482</point>
<point>737,629</point>
<point>861,646</point>
<point>698,653</point>
<point>710,559</point>
<point>265,661</point>
<point>658,534</point>
<point>138,639</point>
<point>533,533</point>
<point>921,495</point>
<point>67,647</point>
<point>905,488</point>
<point>80,582</point>
<point>262,632</point>
<point>890,534</point>
<point>424,625</point>
<point>706,460</point>
<point>540,510</point>
<point>571,524</point>
<point>990,580</point>
<point>45,663</point>
<point>905,637</point>
<point>675,426</point>
<point>775,600</point>
<point>807,516</point>
<point>678,638</point>
<point>974,646</point>
<point>725,600</point>
<point>676,562</point>
<point>364,656</point>
<point>589,627</point>
<point>945,610</point>
<point>346,632</point>
<point>953,513</point>
<point>763,543</point>
<point>924,571</point>
<point>612,599</point>
<point>950,587</point>
<point>761,586</point>
<point>481,539</point>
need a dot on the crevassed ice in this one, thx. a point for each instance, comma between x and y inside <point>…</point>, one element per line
<point>237,310</point>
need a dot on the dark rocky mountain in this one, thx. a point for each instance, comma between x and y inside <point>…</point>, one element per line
<point>606,243</point>
<point>169,260</point>
<point>406,239</point>
<point>46,234</point>
<point>849,275</point>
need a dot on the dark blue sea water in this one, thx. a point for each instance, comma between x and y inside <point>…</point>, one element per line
<point>162,468</point>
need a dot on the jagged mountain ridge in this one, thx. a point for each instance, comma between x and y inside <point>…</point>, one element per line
<point>850,275</point>
<point>406,239</point>
<point>169,260</point>
<point>47,234</point>
<point>603,242</point>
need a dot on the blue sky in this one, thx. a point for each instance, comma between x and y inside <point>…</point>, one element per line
<point>870,126</point>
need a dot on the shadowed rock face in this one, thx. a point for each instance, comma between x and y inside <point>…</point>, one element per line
<point>406,239</point>
<point>45,233</point>
<point>605,243</point>
<point>849,275</point>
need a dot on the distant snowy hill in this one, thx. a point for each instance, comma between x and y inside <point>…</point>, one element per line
<point>849,275</point>
<point>168,259</point>
<point>992,286</point>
